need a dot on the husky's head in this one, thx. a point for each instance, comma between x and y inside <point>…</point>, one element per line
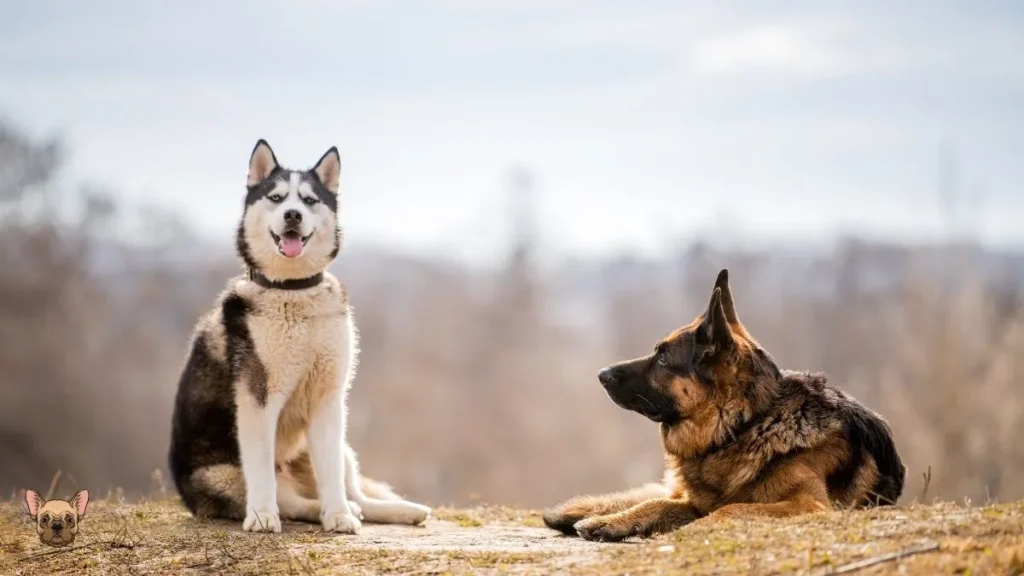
<point>289,229</point>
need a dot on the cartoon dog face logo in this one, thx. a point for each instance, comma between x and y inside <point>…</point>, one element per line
<point>57,520</point>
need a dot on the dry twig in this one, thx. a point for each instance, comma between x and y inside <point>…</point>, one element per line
<point>53,485</point>
<point>868,562</point>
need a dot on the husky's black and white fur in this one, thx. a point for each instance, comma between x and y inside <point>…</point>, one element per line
<point>259,420</point>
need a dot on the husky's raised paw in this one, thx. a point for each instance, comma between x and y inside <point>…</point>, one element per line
<point>262,521</point>
<point>341,522</point>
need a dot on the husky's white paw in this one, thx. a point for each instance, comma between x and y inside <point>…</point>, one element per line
<point>355,509</point>
<point>412,513</point>
<point>262,521</point>
<point>341,522</point>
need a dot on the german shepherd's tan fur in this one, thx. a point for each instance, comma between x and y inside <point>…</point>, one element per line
<point>741,437</point>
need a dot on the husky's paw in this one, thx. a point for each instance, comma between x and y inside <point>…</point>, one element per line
<point>356,510</point>
<point>409,513</point>
<point>262,521</point>
<point>341,522</point>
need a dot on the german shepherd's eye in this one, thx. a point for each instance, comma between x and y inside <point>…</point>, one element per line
<point>275,198</point>
<point>662,359</point>
<point>310,200</point>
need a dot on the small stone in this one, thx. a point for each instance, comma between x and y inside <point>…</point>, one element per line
<point>666,548</point>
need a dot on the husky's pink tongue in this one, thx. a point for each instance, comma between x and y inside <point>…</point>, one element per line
<point>291,246</point>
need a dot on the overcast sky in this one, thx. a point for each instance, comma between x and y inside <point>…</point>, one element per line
<point>642,120</point>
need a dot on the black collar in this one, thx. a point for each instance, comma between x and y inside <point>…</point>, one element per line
<point>291,284</point>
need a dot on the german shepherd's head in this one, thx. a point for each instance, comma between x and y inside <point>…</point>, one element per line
<point>700,383</point>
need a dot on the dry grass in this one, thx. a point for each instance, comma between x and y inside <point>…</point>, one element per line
<point>159,537</point>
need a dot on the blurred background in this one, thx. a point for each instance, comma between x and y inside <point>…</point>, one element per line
<point>531,190</point>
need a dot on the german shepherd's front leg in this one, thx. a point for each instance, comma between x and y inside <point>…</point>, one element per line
<point>257,431</point>
<point>802,503</point>
<point>643,520</point>
<point>565,516</point>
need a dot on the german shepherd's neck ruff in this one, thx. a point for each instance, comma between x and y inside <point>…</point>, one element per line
<point>259,431</point>
<point>741,436</point>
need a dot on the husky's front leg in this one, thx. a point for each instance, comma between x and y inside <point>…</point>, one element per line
<point>327,447</point>
<point>257,429</point>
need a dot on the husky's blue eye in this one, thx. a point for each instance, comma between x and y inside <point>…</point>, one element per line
<point>275,197</point>
<point>310,200</point>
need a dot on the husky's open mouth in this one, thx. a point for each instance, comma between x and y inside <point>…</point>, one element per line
<point>290,244</point>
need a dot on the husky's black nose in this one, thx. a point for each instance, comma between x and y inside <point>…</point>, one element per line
<point>292,217</point>
<point>608,375</point>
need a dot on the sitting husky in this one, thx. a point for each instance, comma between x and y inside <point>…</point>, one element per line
<point>259,419</point>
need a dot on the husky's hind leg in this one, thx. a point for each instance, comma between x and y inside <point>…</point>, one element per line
<point>388,507</point>
<point>216,491</point>
<point>295,506</point>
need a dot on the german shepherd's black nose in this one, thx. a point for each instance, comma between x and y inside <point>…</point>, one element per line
<point>292,217</point>
<point>608,375</point>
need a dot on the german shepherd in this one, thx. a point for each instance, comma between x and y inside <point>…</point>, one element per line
<point>741,437</point>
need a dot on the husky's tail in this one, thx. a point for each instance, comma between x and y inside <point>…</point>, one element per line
<point>377,500</point>
<point>219,492</point>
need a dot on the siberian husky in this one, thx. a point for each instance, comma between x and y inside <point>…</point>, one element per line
<point>259,425</point>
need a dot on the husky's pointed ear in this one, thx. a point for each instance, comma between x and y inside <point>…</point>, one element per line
<point>722,283</point>
<point>328,169</point>
<point>261,164</point>
<point>34,501</point>
<point>715,325</point>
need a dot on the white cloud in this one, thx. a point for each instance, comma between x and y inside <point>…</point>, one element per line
<point>775,48</point>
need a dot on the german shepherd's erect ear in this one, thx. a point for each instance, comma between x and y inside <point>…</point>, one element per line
<point>714,332</point>
<point>729,305</point>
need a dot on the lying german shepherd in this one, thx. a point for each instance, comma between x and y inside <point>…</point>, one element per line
<point>741,436</point>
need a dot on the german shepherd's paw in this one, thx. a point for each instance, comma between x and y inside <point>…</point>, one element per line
<point>610,528</point>
<point>341,522</point>
<point>262,521</point>
<point>564,518</point>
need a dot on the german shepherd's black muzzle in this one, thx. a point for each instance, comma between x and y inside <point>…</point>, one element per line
<point>629,386</point>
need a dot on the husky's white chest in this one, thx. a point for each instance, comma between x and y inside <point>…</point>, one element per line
<point>301,340</point>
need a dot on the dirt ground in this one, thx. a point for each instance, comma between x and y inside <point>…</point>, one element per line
<point>159,537</point>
